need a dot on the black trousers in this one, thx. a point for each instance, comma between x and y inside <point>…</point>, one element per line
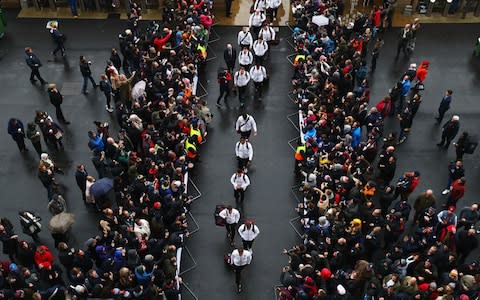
<point>247,244</point>
<point>228,6</point>
<point>36,73</point>
<point>238,274</point>
<point>239,194</point>
<point>38,147</point>
<point>224,92</point>
<point>60,48</point>
<point>59,114</point>
<point>245,134</point>
<point>258,88</point>
<point>108,98</point>
<point>446,141</point>
<point>241,92</point>
<point>20,144</point>
<point>441,114</point>
<point>242,162</point>
<point>231,230</point>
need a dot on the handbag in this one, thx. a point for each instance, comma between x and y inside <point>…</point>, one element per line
<point>58,135</point>
<point>219,221</point>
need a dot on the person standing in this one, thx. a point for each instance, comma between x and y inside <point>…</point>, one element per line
<point>240,258</point>
<point>455,172</point>
<point>17,132</point>
<point>228,8</point>
<point>423,201</point>
<point>272,9</point>
<point>86,73</point>
<point>245,124</point>
<point>47,178</point>
<point>73,7</point>
<point>115,59</point>
<point>244,153</point>
<point>224,78</point>
<point>405,36</point>
<point>457,190</point>
<point>244,38</point>
<point>34,136</point>
<point>57,99</point>
<point>9,239</point>
<point>106,88</point>
<point>248,231</point>
<point>449,131</point>
<point>240,81</point>
<point>230,57</point>
<point>81,179</point>
<point>258,73</point>
<point>406,85</point>
<point>444,105</point>
<point>34,63</point>
<point>58,39</point>
<point>231,217</point>
<point>461,145</point>
<point>375,54</point>
<point>240,182</point>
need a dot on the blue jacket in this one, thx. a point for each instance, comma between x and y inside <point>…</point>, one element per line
<point>13,129</point>
<point>356,137</point>
<point>96,143</point>
<point>445,103</point>
<point>406,85</point>
<point>32,61</point>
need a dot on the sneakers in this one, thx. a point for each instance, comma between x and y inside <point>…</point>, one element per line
<point>445,191</point>
<point>108,109</point>
<point>239,288</point>
<point>219,105</point>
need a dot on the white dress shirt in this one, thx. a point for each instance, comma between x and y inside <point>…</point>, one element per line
<point>256,20</point>
<point>260,48</point>
<point>241,260</point>
<point>258,75</point>
<point>230,217</point>
<point>260,4</point>
<point>244,150</point>
<point>245,125</point>
<point>241,181</point>
<point>248,234</point>
<point>241,79</point>
<point>267,34</point>
<point>273,3</point>
<point>245,39</point>
<point>245,58</point>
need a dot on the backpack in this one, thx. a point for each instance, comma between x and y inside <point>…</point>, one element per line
<point>57,205</point>
<point>470,147</point>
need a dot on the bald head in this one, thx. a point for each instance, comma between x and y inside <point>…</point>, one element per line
<point>429,193</point>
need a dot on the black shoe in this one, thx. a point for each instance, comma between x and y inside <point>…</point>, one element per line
<point>66,122</point>
<point>218,104</point>
<point>439,145</point>
<point>44,82</point>
<point>33,80</point>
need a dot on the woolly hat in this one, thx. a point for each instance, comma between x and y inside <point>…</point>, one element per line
<point>149,258</point>
<point>455,118</point>
<point>464,297</point>
<point>341,290</point>
<point>309,280</point>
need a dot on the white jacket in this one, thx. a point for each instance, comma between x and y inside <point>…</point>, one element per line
<point>248,234</point>
<point>244,150</point>
<point>245,58</point>
<point>260,4</point>
<point>241,260</point>
<point>273,3</point>
<point>142,229</point>
<point>260,48</point>
<point>267,34</point>
<point>230,217</point>
<point>258,75</point>
<point>241,79</point>
<point>245,39</point>
<point>243,181</point>
<point>245,125</point>
<point>256,20</point>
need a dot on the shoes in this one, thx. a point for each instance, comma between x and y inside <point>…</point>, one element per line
<point>445,191</point>
<point>53,53</point>
<point>66,122</point>
<point>44,82</point>
<point>33,80</point>
<point>218,104</point>
<point>439,145</point>
<point>108,109</point>
<point>63,54</point>
<point>239,288</point>
<point>402,140</point>
<point>85,92</point>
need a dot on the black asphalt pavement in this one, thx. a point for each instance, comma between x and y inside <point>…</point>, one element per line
<point>269,199</point>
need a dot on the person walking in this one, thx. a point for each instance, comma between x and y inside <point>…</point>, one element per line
<point>245,58</point>
<point>17,132</point>
<point>81,179</point>
<point>34,136</point>
<point>223,79</point>
<point>272,9</point>
<point>244,154</point>
<point>228,8</point>
<point>457,191</point>
<point>256,20</point>
<point>406,85</point>
<point>461,145</point>
<point>231,216</point>
<point>449,131</point>
<point>230,57</point>
<point>240,258</point>
<point>106,88</point>
<point>57,99</point>
<point>248,231</point>
<point>444,105</point>
<point>245,125</point>
<point>240,81</point>
<point>240,182</point>
<point>86,73</point>
<point>258,73</point>
<point>34,63</point>
<point>47,177</point>
<point>58,39</point>
<point>244,38</point>
<point>455,172</point>
<point>260,48</point>
<point>375,54</point>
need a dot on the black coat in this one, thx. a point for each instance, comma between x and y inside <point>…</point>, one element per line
<point>230,59</point>
<point>55,98</point>
<point>450,128</point>
<point>81,179</point>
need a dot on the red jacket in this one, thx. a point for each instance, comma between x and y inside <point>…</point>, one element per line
<point>206,21</point>
<point>159,43</point>
<point>384,108</point>
<point>45,258</point>
<point>415,181</point>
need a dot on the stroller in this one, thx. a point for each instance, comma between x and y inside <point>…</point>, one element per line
<point>30,223</point>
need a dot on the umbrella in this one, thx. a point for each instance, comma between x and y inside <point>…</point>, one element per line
<point>101,187</point>
<point>61,223</point>
<point>138,90</point>
<point>52,23</point>
<point>320,20</point>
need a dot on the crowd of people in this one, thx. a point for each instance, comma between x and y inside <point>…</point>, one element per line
<point>360,240</point>
<point>139,187</point>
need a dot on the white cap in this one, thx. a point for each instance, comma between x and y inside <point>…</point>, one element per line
<point>455,118</point>
<point>341,290</point>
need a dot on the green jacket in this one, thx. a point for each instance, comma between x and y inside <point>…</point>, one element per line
<point>32,133</point>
